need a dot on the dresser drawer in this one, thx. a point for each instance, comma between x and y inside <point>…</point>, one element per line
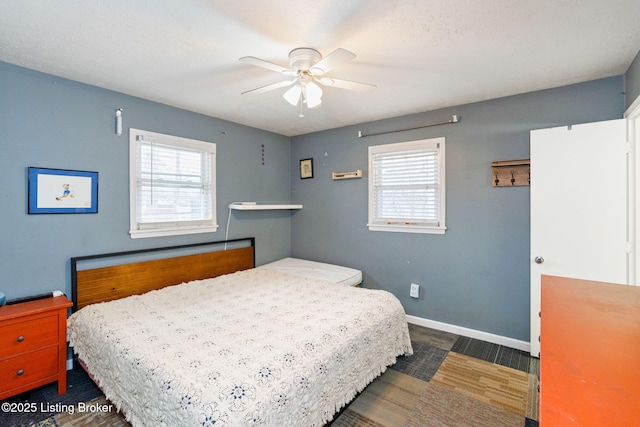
<point>28,335</point>
<point>28,368</point>
<point>33,346</point>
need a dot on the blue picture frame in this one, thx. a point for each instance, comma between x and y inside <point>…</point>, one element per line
<point>60,191</point>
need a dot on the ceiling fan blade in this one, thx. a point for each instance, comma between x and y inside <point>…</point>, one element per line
<point>346,84</point>
<point>267,88</point>
<point>331,61</point>
<point>268,65</point>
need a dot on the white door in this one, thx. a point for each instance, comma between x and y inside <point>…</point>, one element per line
<point>579,211</point>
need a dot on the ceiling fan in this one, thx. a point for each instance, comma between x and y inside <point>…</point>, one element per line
<point>307,69</point>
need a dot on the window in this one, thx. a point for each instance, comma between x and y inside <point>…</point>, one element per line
<point>172,185</point>
<point>406,187</point>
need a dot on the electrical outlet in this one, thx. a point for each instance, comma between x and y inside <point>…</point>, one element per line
<point>415,291</point>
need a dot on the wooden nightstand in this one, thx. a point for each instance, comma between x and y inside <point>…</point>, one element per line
<point>33,345</point>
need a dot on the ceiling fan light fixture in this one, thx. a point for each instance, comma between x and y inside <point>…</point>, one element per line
<point>309,67</point>
<point>313,95</point>
<point>293,95</point>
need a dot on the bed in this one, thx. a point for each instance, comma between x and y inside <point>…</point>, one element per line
<point>242,346</point>
<point>317,270</point>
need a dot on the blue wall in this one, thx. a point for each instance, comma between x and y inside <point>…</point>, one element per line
<point>47,121</point>
<point>632,81</point>
<point>477,274</point>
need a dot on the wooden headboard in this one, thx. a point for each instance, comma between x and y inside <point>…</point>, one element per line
<point>122,280</point>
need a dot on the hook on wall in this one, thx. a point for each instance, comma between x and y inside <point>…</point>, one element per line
<point>511,173</point>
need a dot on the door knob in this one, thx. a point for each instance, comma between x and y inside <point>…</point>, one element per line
<point>538,260</point>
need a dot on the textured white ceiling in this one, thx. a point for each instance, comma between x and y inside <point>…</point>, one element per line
<point>421,54</point>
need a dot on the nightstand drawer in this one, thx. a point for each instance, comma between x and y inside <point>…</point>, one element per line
<point>27,335</point>
<point>28,368</point>
<point>33,345</point>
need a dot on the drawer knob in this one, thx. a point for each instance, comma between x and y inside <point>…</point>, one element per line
<point>21,338</point>
<point>20,372</point>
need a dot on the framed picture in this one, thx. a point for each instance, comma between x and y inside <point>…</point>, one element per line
<point>306,168</point>
<point>62,191</point>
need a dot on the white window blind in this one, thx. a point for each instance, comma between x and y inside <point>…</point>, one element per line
<point>172,185</point>
<point>406,186</point>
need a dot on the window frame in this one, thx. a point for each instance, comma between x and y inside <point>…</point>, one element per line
<point>406,226</point>
<point>170,228</point>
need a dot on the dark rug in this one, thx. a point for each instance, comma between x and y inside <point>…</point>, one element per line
<point>80,388</point>
<point>493,353</point>
<point>424,362</point>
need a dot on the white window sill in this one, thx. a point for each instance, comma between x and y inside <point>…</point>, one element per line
<point>159,232</point>
<point>402,228</point>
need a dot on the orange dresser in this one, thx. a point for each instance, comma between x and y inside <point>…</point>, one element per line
<point>590,353</point>
<point>33,345</point>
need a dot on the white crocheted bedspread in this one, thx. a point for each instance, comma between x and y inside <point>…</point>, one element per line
<point>257,347</point>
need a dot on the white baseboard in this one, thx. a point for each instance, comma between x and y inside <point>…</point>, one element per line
<point>471,333</point>
<point>69,364</point>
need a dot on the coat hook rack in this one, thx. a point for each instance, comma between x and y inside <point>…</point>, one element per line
<point>511,173</point>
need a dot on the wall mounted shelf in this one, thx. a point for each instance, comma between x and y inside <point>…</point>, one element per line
<point>257,207</point>
<point>347,175</point>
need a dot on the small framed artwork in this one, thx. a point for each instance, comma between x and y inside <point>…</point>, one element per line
<point>306,168</point>
<point>53,191</point>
